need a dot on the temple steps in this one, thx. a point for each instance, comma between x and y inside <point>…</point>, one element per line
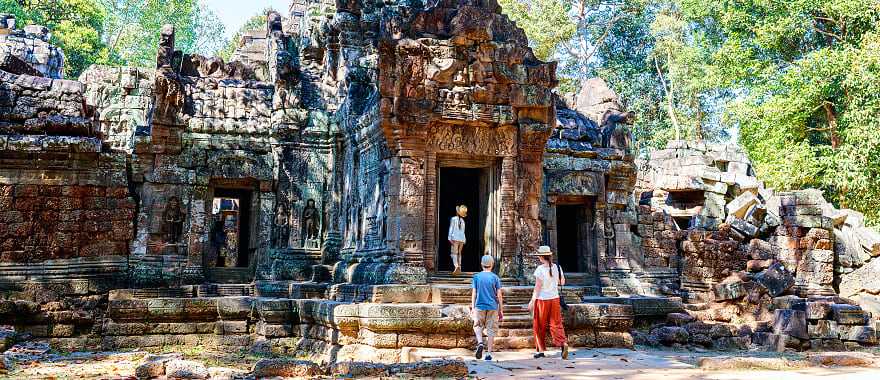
<point>229,275</point>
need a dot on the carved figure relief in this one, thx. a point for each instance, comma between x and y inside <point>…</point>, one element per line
<point>173,219</point>
<point>311,224</point>
<point>282,224</point>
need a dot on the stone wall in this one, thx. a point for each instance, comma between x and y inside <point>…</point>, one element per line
<point>65,208</point>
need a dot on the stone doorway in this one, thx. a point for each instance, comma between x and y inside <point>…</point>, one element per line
<point>472,188</point>
<point>230,229</point>
<point>576,240</point>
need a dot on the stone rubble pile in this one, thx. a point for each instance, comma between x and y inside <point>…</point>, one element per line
<point>753,257</point>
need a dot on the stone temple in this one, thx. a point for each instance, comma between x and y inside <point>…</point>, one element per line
<point>296,200</point>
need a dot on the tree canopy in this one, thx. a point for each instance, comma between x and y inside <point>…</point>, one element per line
<point>118,32</point>
<point>795,82</point>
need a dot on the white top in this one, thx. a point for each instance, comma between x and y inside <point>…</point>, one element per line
<point>549,285</point>
<point>456,229</point>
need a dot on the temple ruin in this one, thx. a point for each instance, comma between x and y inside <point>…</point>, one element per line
<point>295,200</point>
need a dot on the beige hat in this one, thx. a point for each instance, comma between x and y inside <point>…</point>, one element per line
<point>543,251</point>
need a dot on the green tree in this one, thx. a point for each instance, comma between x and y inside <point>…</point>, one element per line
<point>133,28</point>
<point>255,22</point>
<point>76,27</point>
<point>808,106</point>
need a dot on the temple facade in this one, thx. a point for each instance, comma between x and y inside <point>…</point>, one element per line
<point>335,147</point>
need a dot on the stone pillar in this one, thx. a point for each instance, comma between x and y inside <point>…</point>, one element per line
<point>509,264</point>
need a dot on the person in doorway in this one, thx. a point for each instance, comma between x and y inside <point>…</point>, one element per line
<point>456,237</point>
<point>486,306</point>
<point>545,306</point>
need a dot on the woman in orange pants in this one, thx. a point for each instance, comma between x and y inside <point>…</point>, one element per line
<point>544,304</point>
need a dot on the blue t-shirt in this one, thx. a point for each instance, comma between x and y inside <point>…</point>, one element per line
<point>486,284</point>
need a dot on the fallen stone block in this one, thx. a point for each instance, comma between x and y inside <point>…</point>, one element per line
<point>285,368</point>
<point>776,279</point>
<point>731,343</point>
<point>185,369</point>
<point>790,302</point>
<point>741,204</point>
<point>823,329</point>
<point>849,314</point>
<point>679,319</point>
<point>758,265</point>
<point>842,359</point>
<point>745,228</point>
<point>669,335</point>
<point>862,334</point>
<point>154,365</point>
<point>833,344</point>
<point>790,322</point>
<point>358,369</point>
<point>818,309</point>
<point>729,291</point>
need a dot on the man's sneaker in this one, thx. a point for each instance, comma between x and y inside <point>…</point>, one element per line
<point>565,351</point>
<point>479,353</point>
<point>488,357</point>
<point>538,355</point>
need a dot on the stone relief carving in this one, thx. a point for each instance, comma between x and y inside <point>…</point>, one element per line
<point>310,225</point>
<point>172,217</point>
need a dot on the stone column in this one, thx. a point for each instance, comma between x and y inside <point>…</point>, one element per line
<point>509,265</point>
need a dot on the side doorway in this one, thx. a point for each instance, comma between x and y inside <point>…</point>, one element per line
<point>576,239</point>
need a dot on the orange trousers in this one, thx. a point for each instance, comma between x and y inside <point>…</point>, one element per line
<point>548,312</point>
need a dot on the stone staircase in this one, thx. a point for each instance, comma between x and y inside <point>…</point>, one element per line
<point>229,275</point>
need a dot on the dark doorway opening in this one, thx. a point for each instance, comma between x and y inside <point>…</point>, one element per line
<point>231,228</point>
<point>576,239</point>
<point>462,186</point>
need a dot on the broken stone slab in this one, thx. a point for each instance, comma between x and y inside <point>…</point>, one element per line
<point>776,279</point>
<point>431,369</point>
<point>740,205</point>
<point>732,343</point>
<point>285,368</point>
<point>790,322</point>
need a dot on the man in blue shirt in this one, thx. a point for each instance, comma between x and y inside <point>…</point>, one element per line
<point>486,305</point>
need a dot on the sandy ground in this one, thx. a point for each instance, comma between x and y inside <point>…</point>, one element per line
<point>587,364</point>
<point>614,364</point>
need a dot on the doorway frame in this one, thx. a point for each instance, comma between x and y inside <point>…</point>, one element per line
<point>492,228</point>
<point>251,186</point>
<point>588,202</point>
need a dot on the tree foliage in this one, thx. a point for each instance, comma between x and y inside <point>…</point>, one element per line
<point>76,27</point>
<point>118,32</point>
<point>133,28</point>
<point>796,82</point>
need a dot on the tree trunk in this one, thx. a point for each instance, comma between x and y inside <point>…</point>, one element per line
<point>831,117</point>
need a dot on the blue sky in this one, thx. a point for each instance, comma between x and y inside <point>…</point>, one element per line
<point>233,13</point>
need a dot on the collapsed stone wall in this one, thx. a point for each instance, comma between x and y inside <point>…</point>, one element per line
<point>753,257</point>
<point>31,46</point>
